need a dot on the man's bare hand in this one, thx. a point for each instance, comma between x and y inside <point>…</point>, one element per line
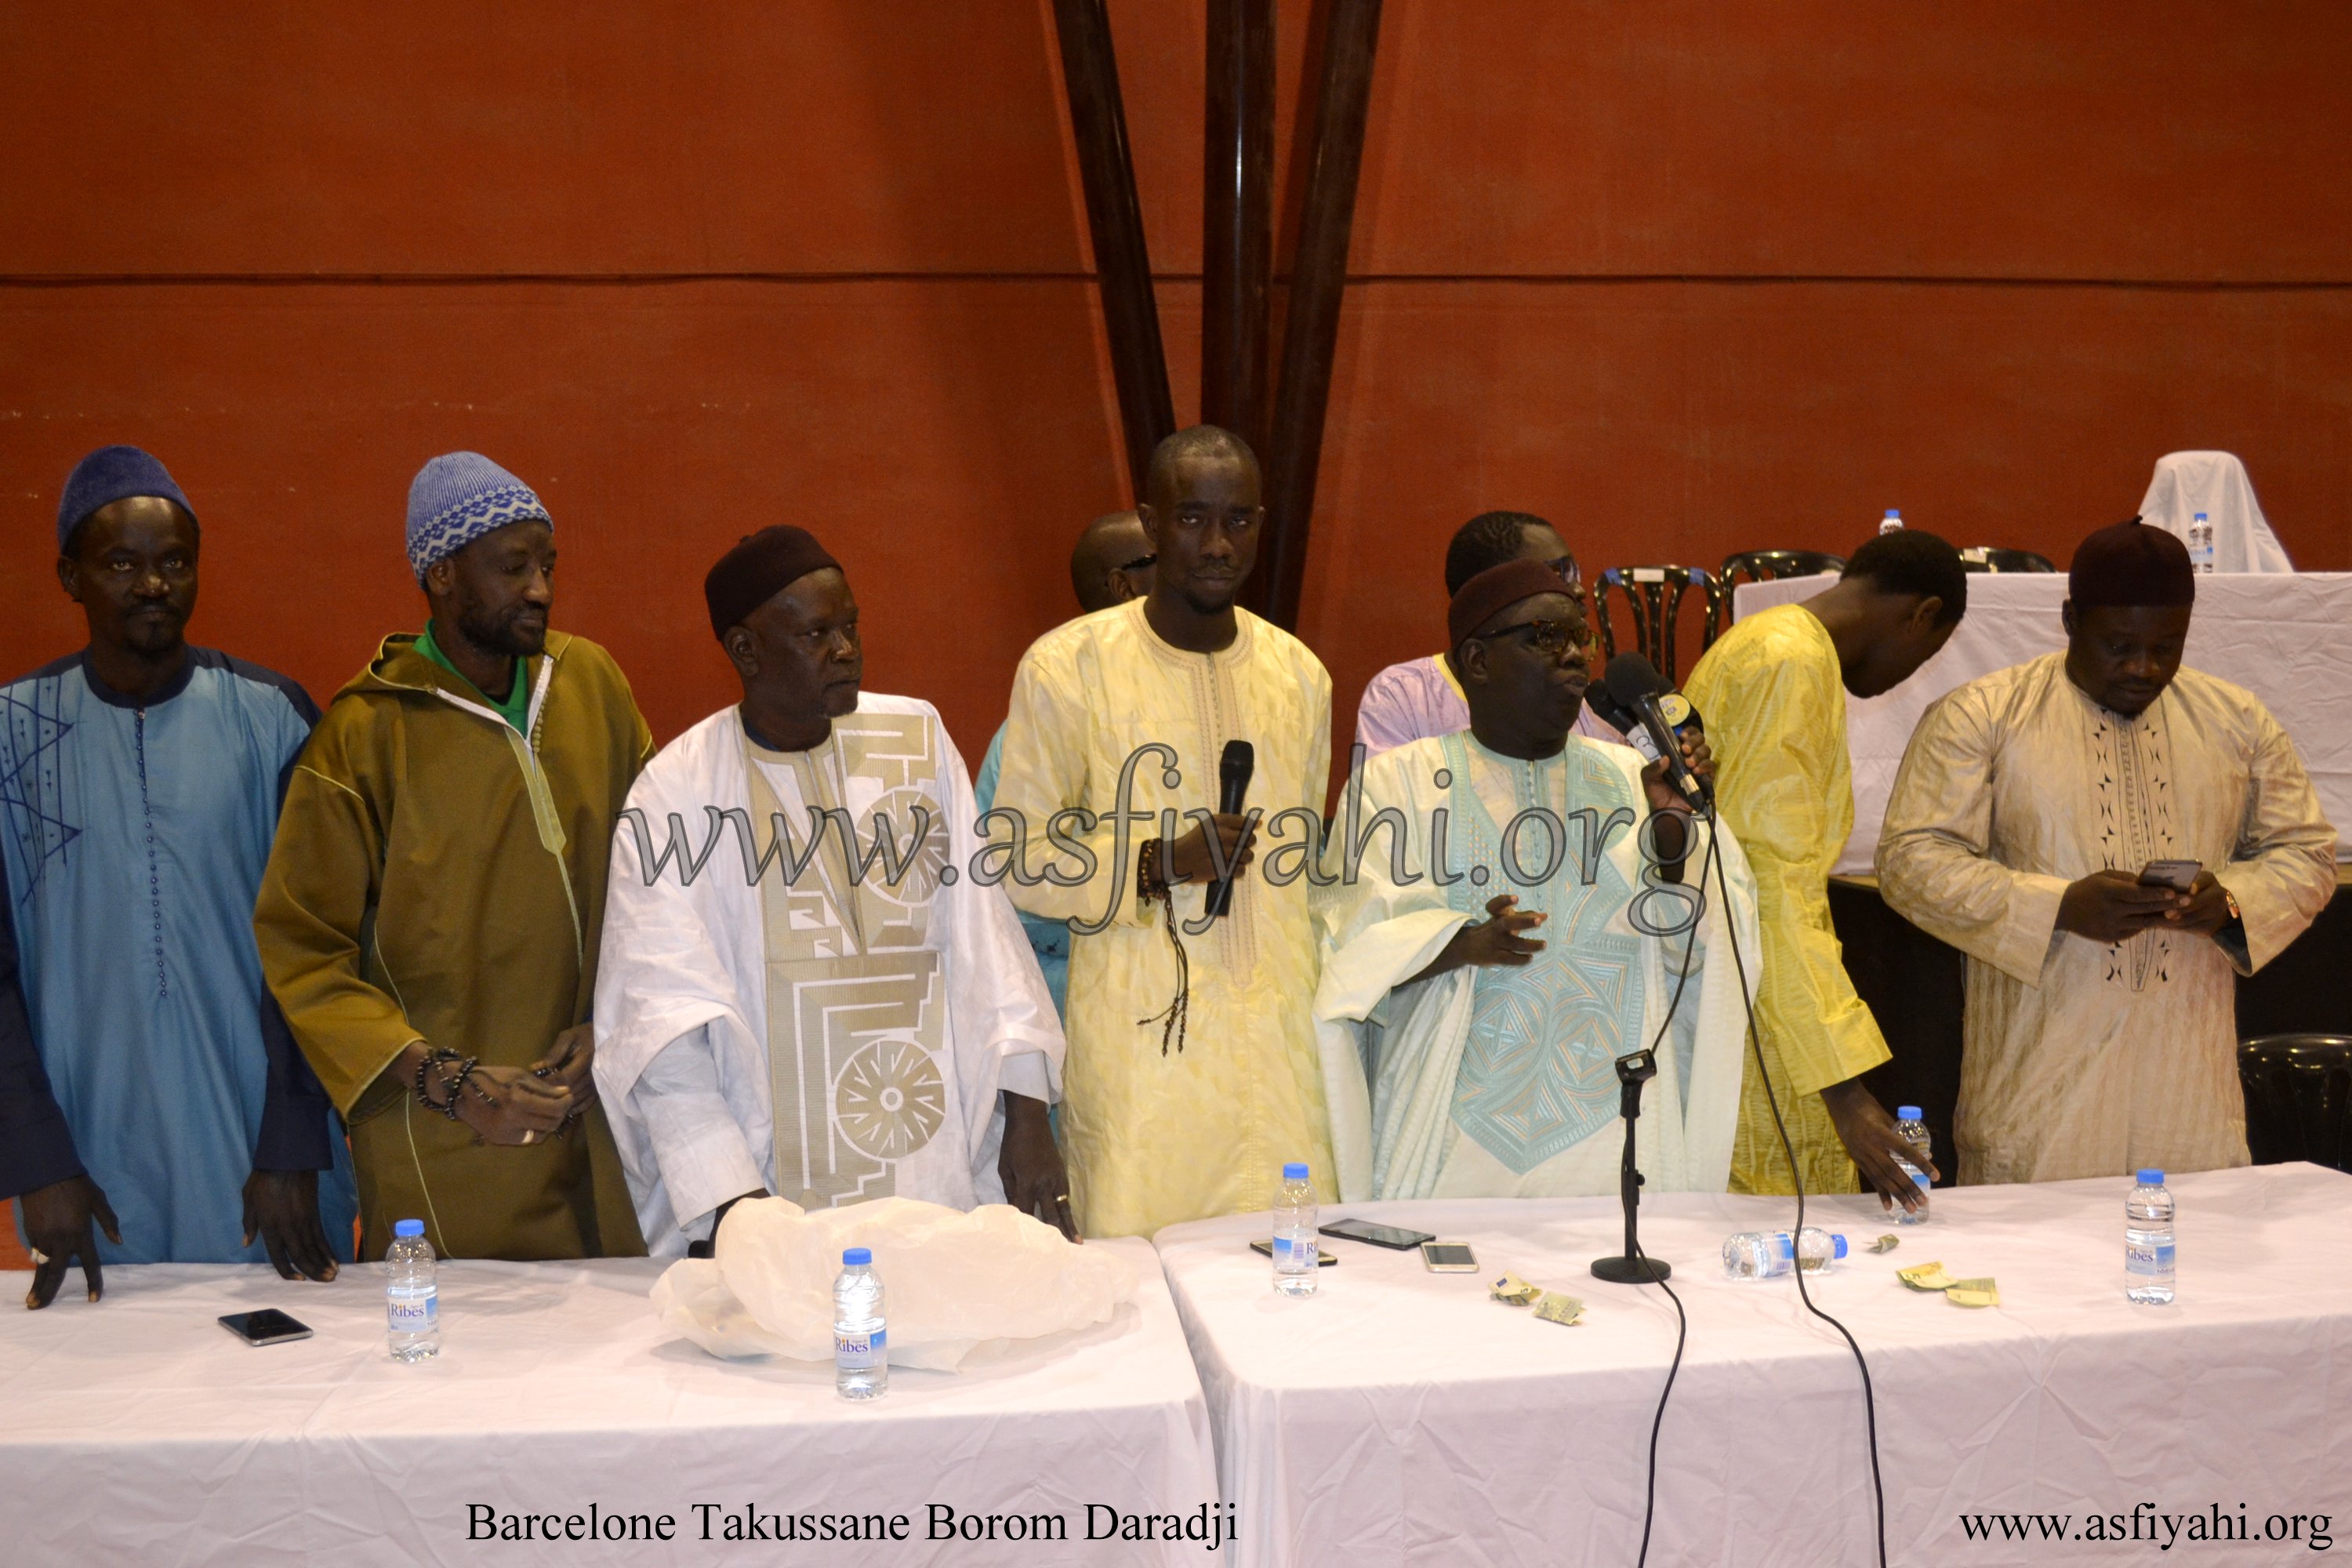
<point>1498,940</point>
<point>2112,906</point>
<point>570,1064</point>
<point>1869,1136</point>
<point>1188,858</point>
<point>282,1207</point>
<point>2204,909</point>
<point>508,1104</point>
<point>1664,796</point>
<point>1029,1164</point>
<point>57,1220</point>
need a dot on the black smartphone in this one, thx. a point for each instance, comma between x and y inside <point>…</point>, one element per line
<point>267,1327</point>
<point>1322,1259</point>
<point>1388,1235</point>
<point>2180,876</point>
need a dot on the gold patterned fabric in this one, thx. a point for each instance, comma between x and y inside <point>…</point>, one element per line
<point>2086,1059</point>
<point>1774,704</point>
<point>1155,1137</point>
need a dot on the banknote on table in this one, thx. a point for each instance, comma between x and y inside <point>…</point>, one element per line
<point>1555,1308</point>
<point>1512,1289</point>
<point>1887,1244</point>
<point>1924,1276</point>
<point>1973,1292</point>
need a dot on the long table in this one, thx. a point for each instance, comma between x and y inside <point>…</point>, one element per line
<point>1398,1417</point>
<point>2282,637</point>
<point>139,1431</point>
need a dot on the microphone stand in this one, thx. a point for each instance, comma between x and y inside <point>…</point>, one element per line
<point>1632,1268</point>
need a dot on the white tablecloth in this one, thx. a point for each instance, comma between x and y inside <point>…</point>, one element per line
<point>139,1431</point>
<point>2288,639</point>
<point>1400,1416</point>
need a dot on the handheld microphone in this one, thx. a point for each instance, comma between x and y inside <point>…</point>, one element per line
<point>1634,685</point>
<point>1233,770</point>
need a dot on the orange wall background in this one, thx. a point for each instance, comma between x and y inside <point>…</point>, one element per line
<point>1686,278</point>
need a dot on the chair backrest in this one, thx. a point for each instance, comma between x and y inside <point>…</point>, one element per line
<point>1653,596</point>
<point>1764,566</point>
<point>1993,558</point>
<point>2298,1099</point>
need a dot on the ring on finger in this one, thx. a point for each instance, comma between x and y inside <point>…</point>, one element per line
<point>530,1138</point>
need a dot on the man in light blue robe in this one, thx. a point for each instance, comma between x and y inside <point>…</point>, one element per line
<point>1110,564</point>
<point>148,1085</point>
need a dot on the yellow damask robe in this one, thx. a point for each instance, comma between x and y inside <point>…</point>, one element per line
<point>2087,1058</point>
<point>1774,706</point>
<point>1154,1134</point>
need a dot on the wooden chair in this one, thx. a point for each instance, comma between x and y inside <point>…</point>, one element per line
<point>1991,558</point>
<point>2298,1099</point>
<point>1653,596</point>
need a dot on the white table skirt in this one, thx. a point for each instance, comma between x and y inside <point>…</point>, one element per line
<point>139,1431</point>
<point>2288,639</point>
<point>1400,1416</point>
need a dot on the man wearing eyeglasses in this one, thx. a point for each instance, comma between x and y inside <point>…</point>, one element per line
<point>1550,908</point>
<point>1424,697</point>
<point>1110,564</point>
<point>1119,720</point>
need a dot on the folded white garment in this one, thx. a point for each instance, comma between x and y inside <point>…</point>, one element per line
<point>951,1280</point>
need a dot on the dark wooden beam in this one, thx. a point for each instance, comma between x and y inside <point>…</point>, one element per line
<point>1311,328</point>
<point>1237,218</point>
<point>1114,218</point>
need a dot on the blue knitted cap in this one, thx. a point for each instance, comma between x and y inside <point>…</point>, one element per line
<point>109,475</point>
<point>458,498</point>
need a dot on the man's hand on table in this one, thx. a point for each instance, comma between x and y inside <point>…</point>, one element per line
<point>1029,1164</point>
<point>1868,1133</point>
<point>282,1207</point>
<point>57,1221</point>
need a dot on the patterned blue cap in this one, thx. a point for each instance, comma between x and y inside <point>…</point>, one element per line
<point>458,498</point>
<point>109,475</point>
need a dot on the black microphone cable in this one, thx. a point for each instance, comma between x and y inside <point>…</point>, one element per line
<point>1682,1319</point>
<point>1869,1397</point>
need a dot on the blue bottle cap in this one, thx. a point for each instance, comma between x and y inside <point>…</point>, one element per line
<point>405,1227</point>
<point>2200,517</point>
<point>856,1255</point>
<point>1892,512</point>
<point>2150,1178</point>
<point>1294,1172</point>
<point>1837,1246</point>
<point>1909,1114</point>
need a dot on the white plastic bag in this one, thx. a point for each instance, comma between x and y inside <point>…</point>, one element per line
<point>951,1280</point>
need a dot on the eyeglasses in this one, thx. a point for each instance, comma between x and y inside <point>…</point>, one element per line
<point>1549,638</point>
<point>1569,571</point>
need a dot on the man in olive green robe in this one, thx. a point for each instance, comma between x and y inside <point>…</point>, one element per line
<point>430,916</point>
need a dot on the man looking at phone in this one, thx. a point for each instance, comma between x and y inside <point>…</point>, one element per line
<point>2028,827</point>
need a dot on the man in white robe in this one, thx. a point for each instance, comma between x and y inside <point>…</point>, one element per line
<point>779,1011</point>
<point>2100,1033</point>
<point>1475,1058</point>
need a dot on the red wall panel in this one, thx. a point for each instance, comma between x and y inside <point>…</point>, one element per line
<point>729,262</point>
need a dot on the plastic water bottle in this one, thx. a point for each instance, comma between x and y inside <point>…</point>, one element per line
<point>1297,1252</point>
<point>1770,1254</point>
<point>1892,523</point>
<point>412,1301</point>
<point>1913,1130</point>
<point>2200,542</point>
<point>861,1337</point>
<point>2147,1241</point>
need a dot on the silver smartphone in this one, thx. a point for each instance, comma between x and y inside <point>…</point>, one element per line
<point>2180,876</point>
<point>1448,1258</point>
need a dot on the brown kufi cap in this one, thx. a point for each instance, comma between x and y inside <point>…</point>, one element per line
<point>763,565</point>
